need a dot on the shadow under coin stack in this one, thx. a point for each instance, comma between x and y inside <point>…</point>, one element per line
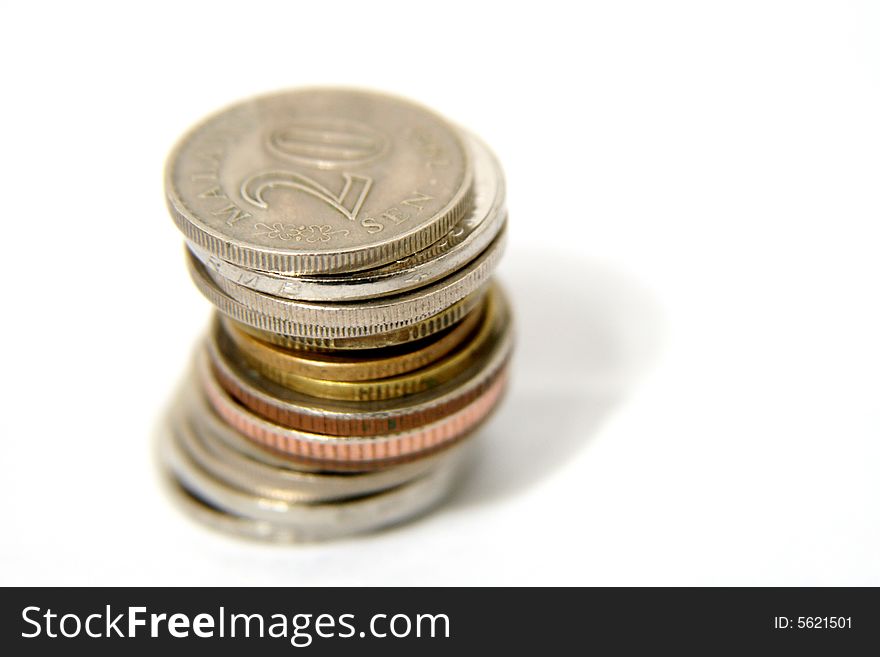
<point>348,240</point>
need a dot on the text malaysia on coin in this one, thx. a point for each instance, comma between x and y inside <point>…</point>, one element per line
<point>319,181</point>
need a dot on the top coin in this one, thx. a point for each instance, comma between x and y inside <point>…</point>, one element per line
<point>319,181</point>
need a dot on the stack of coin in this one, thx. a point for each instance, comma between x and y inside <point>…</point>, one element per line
<point>347,240</point>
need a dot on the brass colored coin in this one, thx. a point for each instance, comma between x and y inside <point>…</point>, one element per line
<point>354,366</point>
<point>396,386</point>
<point>220,360</point>
<point>418,331</point>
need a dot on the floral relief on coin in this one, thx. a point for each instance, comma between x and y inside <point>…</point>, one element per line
<point>310,234</point>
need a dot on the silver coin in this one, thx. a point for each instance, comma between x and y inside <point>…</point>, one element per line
<point>468,238</point>
<point>294,487</point>
<point>319,181</point>
<point>322,337</point>
<point>352,320</point>
<point>225,508</point>
<point>415,501</point>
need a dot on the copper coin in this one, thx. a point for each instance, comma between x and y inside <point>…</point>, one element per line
<point>374,450</point>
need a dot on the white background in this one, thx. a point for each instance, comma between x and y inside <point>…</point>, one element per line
<point>694,192</point>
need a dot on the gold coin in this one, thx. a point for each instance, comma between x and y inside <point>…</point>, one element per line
<point>418,331</point>
<point>425,378</point>
<point>364,365</point>
<point>220,359</point>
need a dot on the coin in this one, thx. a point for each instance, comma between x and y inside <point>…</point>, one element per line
<point>368,450</point>
<point>381,328</point>
<point>243,472</point>
<point>312,319</point>
<point>228,510</point>
<point>288,408</point>
<point>347,240</point>
<point>467,239</point>
<point>354,365</point>
<point>319,181</point>
<point>424,378</point>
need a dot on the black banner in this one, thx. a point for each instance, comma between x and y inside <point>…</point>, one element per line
<point>439,621</point>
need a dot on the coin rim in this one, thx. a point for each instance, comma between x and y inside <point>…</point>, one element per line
<point>366,365</point>
<point>221,516</point>
<point>338,261</point>
<point>385,283</point>
<point>332,417</point>
<point>243,472</point>
<point>355,319</point>
<point>425,378</point>
<point>375,449</point>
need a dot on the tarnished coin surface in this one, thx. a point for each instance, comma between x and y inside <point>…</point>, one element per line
<point>319,181</point>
